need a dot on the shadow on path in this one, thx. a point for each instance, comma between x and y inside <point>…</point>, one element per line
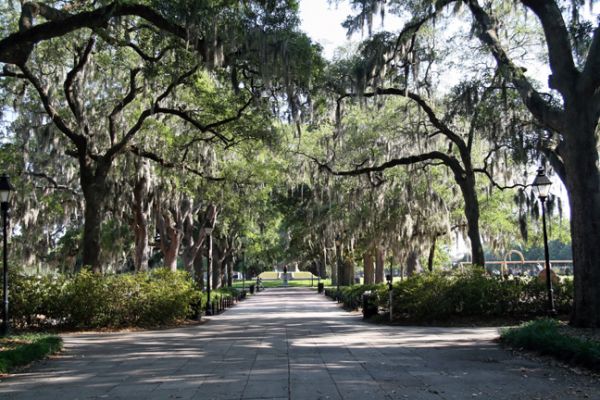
<point>293,344</point>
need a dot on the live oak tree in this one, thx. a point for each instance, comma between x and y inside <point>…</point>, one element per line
<point>149,57</point>
<point>569,114</point>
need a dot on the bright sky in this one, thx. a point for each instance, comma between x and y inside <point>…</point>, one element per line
<point>322,22</point>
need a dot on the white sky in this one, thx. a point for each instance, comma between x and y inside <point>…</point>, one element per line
<point>322,22</point>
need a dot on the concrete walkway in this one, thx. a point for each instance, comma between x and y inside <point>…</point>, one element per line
<point>293,344</point>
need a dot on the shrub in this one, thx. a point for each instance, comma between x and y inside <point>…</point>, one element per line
<point>88,300</point>
<point>351,296</point>
<point>438,297</point>
<point>435,297</point>
<point>543,336</point>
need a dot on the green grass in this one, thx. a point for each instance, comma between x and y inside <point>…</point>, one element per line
<point>269,275</point>
<point>543,336</point>
<point>20,350</point>
<point>302,275</point>
<point>279,282</point>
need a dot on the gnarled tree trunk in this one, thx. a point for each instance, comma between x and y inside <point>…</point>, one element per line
<point>379,264</point>
<point>580,157</point>
<point>413,266</point>
<point>369,267</point>
<point>95,191</point>
<point>141,211</point>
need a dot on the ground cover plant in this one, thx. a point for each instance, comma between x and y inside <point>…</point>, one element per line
<point>545,337</point>
<point>20,350</point>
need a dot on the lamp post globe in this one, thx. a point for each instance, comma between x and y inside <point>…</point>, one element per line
<point>6,190</point>
<point>541,185</point>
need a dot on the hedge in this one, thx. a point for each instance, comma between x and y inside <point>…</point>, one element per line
<point>438,297</point>
<point>88,300</point>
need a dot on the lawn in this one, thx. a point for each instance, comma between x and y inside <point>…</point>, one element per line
<point>577,346</point>
<point>279,282</point>
<point>20,350</point>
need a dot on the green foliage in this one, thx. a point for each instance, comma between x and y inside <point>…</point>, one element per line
<point>351,296</point>
<point>21,350</point>
<point>474,294</point>
<point>544,336</point>
<point>435,297</point>
<point>88,300</point>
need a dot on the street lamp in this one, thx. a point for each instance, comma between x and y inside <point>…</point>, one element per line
<point>5,193</point>
<point>542,184</point>
<point>209,231</point>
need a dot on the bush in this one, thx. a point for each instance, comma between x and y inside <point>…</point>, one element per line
<point>438,297</point>
<point>88,300</point>
<point>351,296</point>
<point>473,293</point>
<point>544,337</point>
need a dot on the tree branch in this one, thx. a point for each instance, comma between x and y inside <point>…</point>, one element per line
<point>16,48</point>
<point>75,104</point>
<point>560,52</point>
<point>118,147</point>
<point>450,161</point>
<point>168,164</point>
<point>53,182</point>
<point>589,80</point>
<point>543,111</point>
<point>122,104</point>
<point>77,139</point>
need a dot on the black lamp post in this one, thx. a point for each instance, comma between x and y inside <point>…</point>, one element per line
<point>5,191</point>
<point>542,184</point>
<point>209,231</point>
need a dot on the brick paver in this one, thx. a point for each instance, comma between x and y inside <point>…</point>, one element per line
<point>293,344</point>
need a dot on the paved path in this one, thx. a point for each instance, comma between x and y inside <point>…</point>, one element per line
<point>293,344</point>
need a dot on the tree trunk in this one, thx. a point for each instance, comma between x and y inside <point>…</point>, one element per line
<point>380,264</point>
<point>229,264</point>
<point>412,263</point>
<point>369,268</point>
<point>141,210</point>
<point>95,191</point>
<point>170,237</point>
<point>323,270</point>
<point>467,187</point>
<point>217,267</point>
<point>199,270</point>
<point>346,272</point>
<point>335,268</point>
<point>431,254</point>
<point>583,185</point>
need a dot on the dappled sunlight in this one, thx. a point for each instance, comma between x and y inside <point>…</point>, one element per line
<point>275,343</point>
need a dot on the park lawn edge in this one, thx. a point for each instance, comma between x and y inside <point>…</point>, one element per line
<point>543,336</point>
<point>38,347</point>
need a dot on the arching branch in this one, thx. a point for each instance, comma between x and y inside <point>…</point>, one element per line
<point>75,103</point>
<point>16,48</point>
<point>488,34</point>
<point>446,159</point>
<point>169,164</point>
